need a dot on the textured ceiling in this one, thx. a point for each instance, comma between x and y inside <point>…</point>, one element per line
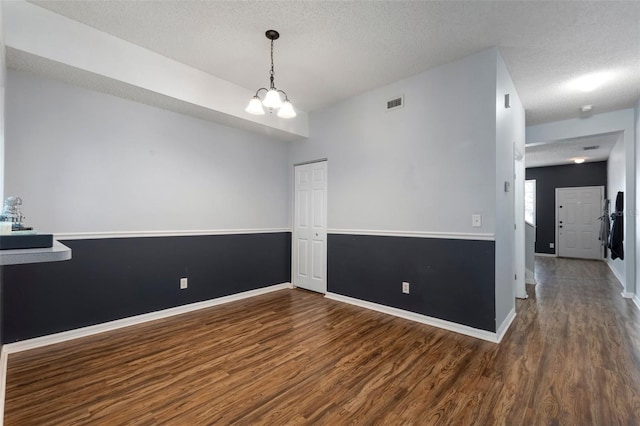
<point>565,151</point>
<point>329,51</point>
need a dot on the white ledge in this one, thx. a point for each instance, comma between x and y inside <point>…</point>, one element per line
<point>56,253</point>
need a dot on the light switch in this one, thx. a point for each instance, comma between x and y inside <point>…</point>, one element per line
<point>476,220</point>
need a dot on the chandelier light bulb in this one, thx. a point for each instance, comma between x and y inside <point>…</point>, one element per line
<point>286,110</point>
<point>255,106</point>
<point>272,99</point>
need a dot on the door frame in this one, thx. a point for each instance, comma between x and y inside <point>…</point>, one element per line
<point>557,221</point>
<point>293,221</point>
<point>519,251</point>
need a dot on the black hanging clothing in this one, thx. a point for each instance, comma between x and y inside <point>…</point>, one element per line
<point>617,230</point>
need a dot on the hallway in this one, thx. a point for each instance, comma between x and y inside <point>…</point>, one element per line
<point>572,356</point>
<point>575,347</point>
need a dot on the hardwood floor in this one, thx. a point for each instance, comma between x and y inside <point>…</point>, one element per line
<point>572,356</point>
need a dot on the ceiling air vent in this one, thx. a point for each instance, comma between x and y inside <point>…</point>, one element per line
<point>395,103</point>
<point>591,148</point>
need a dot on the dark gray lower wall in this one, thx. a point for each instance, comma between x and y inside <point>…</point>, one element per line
<point>453,280</point>
<point>110,279</point>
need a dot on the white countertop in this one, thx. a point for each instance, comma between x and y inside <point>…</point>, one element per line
<point>52,254</point>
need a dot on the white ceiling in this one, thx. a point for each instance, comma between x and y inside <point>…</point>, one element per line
<point>565,151</point>
<point>329,51</point>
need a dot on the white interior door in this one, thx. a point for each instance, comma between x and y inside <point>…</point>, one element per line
<point>578,227</point>
<point>310,227</point>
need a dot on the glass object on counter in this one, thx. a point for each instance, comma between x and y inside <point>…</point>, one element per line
<point>11,213</point>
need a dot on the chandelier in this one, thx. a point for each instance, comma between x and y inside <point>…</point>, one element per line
<point>272,99</point>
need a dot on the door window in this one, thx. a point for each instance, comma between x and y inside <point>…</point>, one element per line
<point>530,202</point>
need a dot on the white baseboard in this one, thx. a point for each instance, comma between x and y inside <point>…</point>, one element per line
<point>636,300</point>
<point>502,330</point>
<point>138,319</point>
<point>546,255</point>
<point>621,280</point>
<point>529,277</point>
<point>424,319</point>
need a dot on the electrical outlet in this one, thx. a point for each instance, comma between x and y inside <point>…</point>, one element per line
<point>476,220</point>
<point>552,245</point>
<point>183,283</point>
<point>405,287</point>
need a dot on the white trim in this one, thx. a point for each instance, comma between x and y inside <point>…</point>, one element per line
<point>138,319</point>
<point>545,254</point>
<point>304,163</point>
<point>415,234</point>
<point>412,316</point>
<point>4,358</point>
<point>636,301</point>
<point>616,273</point>
<point>141,234</point>
<point>627,295</point>
<point>556,241</point>
<point>529,277</point>
<point>502,330</point>
<point>522,296</point>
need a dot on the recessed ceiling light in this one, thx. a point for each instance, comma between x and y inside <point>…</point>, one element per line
<point>590,82</point>
<point>578,160</point>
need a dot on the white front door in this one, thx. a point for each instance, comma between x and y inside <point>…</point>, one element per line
<point>578,210</point>
<point>310,227</point>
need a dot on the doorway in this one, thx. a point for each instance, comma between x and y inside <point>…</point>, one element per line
<point>577,224</point>
<point>310,227</point>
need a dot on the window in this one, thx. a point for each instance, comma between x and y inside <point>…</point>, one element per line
<point>530,202</point>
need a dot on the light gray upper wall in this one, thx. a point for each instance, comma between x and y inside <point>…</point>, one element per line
<point>3,74</point>
<point>84,161</point>
<point>426,167</point>
<point>615,182</point>
<point>510,138</point>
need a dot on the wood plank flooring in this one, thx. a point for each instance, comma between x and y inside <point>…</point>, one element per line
<point>572,356</point>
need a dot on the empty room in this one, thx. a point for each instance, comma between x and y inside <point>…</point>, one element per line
<point>319,212</point>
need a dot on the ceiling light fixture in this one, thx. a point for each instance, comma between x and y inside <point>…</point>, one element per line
<point>272,99</point>
<point>579,160</point>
